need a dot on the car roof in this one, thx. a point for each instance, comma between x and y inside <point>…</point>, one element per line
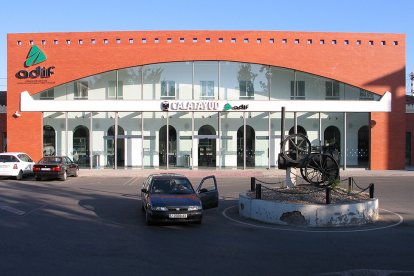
<point>167,175</point>
<point>12,153</point>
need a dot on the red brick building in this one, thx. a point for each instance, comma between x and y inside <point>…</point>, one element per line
<point>335,85</point>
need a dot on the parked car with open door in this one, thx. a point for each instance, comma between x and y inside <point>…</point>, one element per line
<point>172,198</point>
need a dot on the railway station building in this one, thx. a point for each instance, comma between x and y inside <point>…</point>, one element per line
<point>206,99</point>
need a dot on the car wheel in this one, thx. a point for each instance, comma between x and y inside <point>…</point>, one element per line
<point>19,176</point>
<point>64,176</point>
<point>38,178</point>
<point>148,219</point>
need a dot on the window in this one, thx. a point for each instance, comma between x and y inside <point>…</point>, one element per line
<point>207,89</point>
<point>112,90</point>
<point>81,90</point>
<point>365,95</point>
<point>332,90</point>
<point>47,95</point>
<point>168,89</point>
<point>298,92</point>
<point>246,89</point>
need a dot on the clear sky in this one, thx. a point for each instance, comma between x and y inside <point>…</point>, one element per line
<point>367,16</point>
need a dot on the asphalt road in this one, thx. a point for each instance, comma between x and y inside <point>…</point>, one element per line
<point>94,226</point>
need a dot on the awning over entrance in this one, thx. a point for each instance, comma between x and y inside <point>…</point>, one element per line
<point>28,104</point>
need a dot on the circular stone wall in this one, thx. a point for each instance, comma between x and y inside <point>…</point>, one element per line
<point>317,215</point>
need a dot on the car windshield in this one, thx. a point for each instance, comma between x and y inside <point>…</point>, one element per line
<point>50,160</point>
<point>171,186</point>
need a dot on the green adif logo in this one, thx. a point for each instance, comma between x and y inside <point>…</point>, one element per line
<point>228,107</point>
<point>34,57</point>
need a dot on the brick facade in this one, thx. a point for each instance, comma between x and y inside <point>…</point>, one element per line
<point>375,62</point>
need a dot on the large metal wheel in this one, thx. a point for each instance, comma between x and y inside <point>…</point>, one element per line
<point>320,169</point>
<point>303,174</point>
<point>296,148</point>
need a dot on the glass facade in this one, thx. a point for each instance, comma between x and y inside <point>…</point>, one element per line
<point>191,139</point>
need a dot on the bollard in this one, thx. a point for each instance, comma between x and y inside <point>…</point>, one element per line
<point>258,191</point>
<point>328,195</point>
<point>350,188</point>
<point>371,190</point>
<point>252,183</point>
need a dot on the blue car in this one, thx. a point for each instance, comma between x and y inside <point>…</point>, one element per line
<point>171,198</point>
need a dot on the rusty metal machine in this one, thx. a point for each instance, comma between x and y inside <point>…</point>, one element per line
<point>318,165</point>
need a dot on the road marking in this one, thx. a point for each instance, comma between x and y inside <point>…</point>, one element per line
<point>276,227</point>
<point>12,210</point>
<point>130,181</point>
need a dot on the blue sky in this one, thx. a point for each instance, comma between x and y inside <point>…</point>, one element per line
<point>367,16</point>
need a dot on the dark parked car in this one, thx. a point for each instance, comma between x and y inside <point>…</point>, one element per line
<point>172,198</point>
<point>55,167</point>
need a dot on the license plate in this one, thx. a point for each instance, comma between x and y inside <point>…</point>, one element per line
<point>177,215</point>
<point>4,166</point>
<point>45,169</point>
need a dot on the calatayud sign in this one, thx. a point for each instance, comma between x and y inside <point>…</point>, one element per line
<point>199,106</point>
<point>190,105</point>
<point>34,57</point>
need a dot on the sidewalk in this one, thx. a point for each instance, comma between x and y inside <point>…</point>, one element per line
<point>136,172</point>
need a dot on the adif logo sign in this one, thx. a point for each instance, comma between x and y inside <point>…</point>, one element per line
<point>34,57</point>
<point>228,107</point>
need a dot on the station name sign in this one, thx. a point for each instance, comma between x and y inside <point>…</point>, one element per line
<point>199,106</point>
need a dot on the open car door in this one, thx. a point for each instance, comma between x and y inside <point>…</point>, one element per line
<point>208,192</point>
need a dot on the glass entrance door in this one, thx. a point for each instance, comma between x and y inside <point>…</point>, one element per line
<point>207,151</point>
<point>207,146</point>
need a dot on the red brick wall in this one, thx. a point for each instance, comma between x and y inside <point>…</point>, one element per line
<point>3,129</point>
<point>375,67</point>
<point>410,128</point>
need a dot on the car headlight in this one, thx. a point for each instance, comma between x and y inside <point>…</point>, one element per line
<point>194,208</point>
<point>159,208</point>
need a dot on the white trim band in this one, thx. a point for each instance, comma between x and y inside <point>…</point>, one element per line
<point>28,104</point>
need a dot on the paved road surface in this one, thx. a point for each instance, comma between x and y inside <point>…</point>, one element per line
<point>93,225</point>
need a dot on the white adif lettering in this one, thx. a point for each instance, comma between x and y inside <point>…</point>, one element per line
<point>203,105</point>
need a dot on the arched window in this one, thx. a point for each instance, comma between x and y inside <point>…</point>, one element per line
<point>120,147</point>
<point>249,153</point>
<point>172,145</point>
<point>207,147</point>
<point>332,138</point>
<point>300,129</point>
<point>49,141</point>
<point>363,146</point>
<point>80,149</point>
